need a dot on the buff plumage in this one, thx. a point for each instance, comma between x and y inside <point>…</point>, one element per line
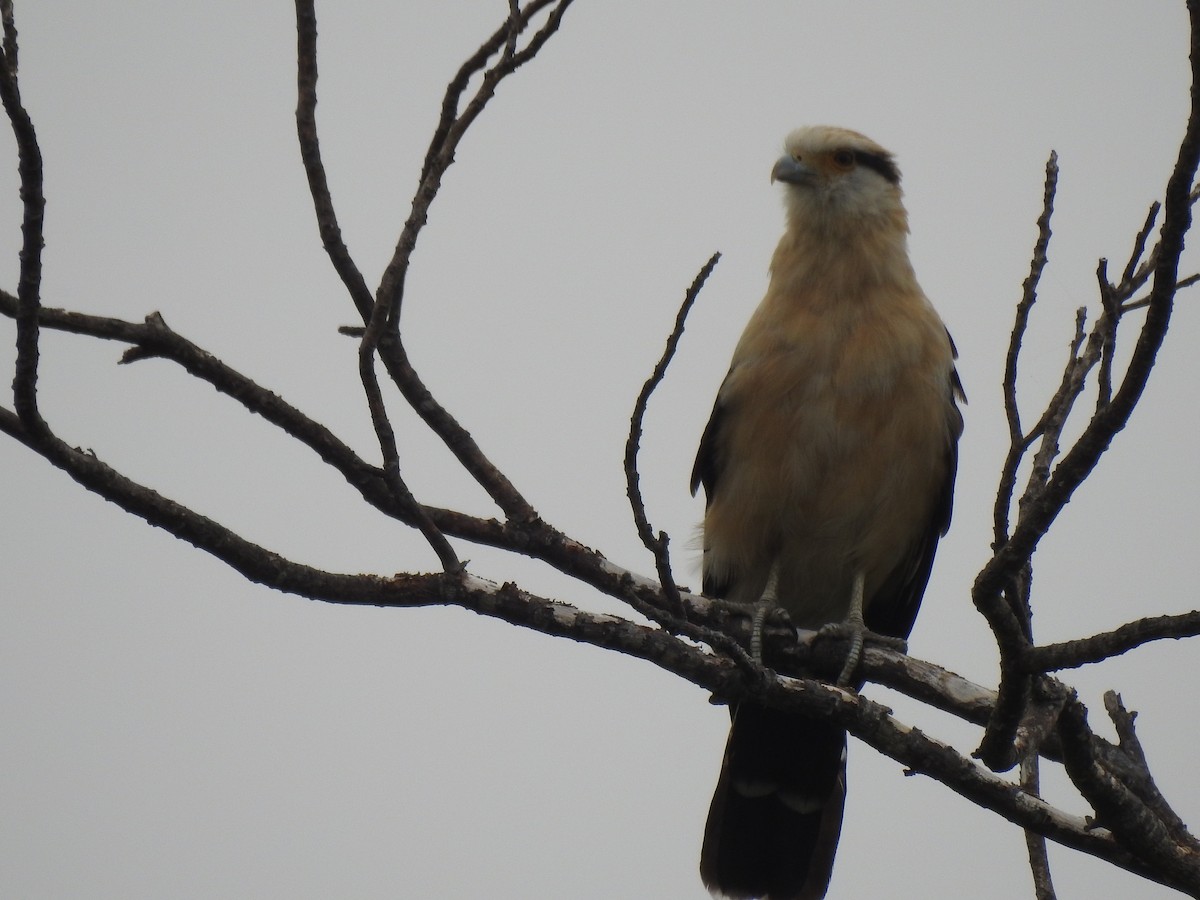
<point>828,465</point>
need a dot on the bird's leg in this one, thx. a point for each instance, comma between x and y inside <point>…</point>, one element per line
<point>857,628</point>
<point>767,602</point>
<point>854,627</point>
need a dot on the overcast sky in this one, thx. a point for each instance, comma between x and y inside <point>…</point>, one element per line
<point>171,731</point>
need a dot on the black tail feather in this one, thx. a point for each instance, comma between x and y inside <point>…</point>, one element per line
<point>776,815</point>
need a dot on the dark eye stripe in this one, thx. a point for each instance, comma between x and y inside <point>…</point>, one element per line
<point>881,164</point>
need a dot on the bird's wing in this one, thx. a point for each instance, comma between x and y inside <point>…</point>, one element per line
<point>706,470</point>
<point>709,463</point>
<point>896,601</point>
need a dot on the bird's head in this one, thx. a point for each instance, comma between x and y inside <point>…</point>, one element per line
<point>834,175</point>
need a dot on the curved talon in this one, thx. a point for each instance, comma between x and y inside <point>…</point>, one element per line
<point>857,633</point>
<point>859,636</point>
<point>844,630</point>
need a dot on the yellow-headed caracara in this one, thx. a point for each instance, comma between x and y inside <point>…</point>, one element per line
<point>828,466</point>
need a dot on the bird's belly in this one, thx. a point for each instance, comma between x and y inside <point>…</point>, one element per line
<point>826,483</point>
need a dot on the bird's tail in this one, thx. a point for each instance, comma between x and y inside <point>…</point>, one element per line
<point>777,812</point>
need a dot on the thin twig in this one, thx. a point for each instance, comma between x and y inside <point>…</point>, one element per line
<point>1050,426</point>
<point>1082,458</point>
<point>1135,272</point>
<point>391,351</point>
<point>1143,302</point>
<point>1008,612</point>
<point>449,132</point>
<point>314,167</point>
<point>1099,647</point>
<point>1106,329</point>
<point>1121,809</point>
<point>458,84</point>
<point>1018,443</point>
<point>454,436</point>
<point>1140,780</point>
<point>1013,555</point>
<point>658,545</point>
<point>386,436</point>
<point>1035,844</point>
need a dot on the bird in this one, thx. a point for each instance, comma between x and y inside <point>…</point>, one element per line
<point>828,467</point>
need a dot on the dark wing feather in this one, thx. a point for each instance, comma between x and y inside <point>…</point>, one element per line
<point>893,609</point>
<point>709,460</point>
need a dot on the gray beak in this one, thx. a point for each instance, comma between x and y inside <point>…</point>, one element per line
<point>790,170</point>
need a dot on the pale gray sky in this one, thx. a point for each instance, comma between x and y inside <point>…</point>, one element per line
<point>171,731</point>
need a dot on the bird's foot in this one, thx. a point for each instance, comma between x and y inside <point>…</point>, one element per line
<point>765,613</point>
<point>767,602</point>
<point>859,635</point>
<point>761,608</point>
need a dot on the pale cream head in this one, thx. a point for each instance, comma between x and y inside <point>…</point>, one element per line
<point>836,173</point>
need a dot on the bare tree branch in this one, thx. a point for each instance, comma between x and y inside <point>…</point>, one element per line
<point>314,168</point>
<point>673,615</point>
<point>451,127</point>
<point>1035,844</point>
<point>1007,574</point>
<point>441,154</point>
<point>391,454</point>
<point>29,285</point>
<point>1031,716</point>
<point>1099,432</point>
<point>1018,442</point>
<point>1140,779</point>
<point>9,48</point>
<point>1122,811</point>
<point>154,338</point>
<point>1099,647</point>
<point>1143,302</point>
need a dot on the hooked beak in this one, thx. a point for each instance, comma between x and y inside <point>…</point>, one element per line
<point>790,170</point>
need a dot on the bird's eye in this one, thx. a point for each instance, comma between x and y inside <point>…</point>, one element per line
<point>843,159</point>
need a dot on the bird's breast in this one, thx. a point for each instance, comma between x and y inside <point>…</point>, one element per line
<point>837,426</point>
